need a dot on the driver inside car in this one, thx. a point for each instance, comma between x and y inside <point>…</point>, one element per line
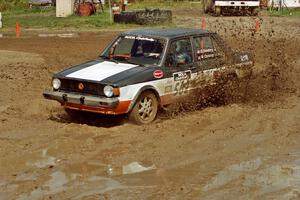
<point>181,52</point>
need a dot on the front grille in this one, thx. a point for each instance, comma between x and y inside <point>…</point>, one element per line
<point>89,87</point>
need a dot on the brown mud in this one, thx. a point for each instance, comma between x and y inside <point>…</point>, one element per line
<point>244,149</point>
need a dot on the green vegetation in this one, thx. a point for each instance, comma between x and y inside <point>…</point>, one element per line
<point>13,4</point>
<point>286,12</point>
<point>165,4</point>
<point>44,18</point>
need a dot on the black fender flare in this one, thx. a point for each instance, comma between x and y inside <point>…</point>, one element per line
<point>141,90</point>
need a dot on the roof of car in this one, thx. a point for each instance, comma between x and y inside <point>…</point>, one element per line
<point>166,32</point>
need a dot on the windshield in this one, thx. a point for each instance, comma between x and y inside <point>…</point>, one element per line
<point>136,50</point>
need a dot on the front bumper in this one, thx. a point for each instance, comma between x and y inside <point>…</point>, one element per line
<point>66,98</point>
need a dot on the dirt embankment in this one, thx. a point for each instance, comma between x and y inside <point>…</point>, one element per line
<point>248,149</point>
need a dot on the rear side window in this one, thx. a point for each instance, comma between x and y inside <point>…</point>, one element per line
<point>204,48</point>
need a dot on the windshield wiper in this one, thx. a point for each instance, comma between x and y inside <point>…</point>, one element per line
<point>108,58</point>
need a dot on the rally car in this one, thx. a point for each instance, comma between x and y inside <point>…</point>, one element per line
<point>143,70</point>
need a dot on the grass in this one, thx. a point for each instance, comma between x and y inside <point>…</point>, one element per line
<point>167,4</point>
<point>45,19</point>
<point>286,12</point>
<point>38,18</point>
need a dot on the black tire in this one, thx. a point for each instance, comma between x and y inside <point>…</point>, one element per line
<point>144,17</point>
<point>145,109</point>
<point>125,17</point>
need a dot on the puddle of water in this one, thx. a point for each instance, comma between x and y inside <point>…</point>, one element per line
<point>26,177</point>
<point>99,185</point>
<point>76,186</point>
<point>53,186</point>
<point>34,195</point>
<point>275,178</point>
<point>270,182</point>
<point>136,167</point>
<point>57,182</point>
<point>44,161</point>
<point>232,172</point>
<point>131,168</point>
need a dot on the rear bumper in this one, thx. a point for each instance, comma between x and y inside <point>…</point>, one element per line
<point>237,3</point>
<point>88,103</point>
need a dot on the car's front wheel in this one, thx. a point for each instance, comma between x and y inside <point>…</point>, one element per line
<point>145,109</point>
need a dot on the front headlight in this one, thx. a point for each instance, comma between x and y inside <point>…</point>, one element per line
<point>56,83</point>
<point>108,91</point>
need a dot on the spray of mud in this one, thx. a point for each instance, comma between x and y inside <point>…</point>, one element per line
<point>273,76</point>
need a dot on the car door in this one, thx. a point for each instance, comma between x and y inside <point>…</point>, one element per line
<point>179,65</point>
<point>206,60</point>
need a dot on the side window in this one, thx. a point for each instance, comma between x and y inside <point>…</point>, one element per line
<point>180,53</point>
<point>219,52</point>
<point>204,48</point>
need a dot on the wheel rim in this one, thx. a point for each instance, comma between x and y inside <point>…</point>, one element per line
<point>146,108</point>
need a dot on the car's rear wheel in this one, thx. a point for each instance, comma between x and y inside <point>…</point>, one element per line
<point>145,109</point>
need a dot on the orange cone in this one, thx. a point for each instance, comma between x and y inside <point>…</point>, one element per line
<point>257,25</point>
<point>18,30</point>
<point>203,23</point>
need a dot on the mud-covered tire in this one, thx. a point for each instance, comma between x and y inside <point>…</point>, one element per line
<point>125,17</point>
<point>144,17</point>
<point>153,17</point>
<point>145,109</point>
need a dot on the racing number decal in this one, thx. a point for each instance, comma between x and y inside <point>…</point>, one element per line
<point>181,87</point>
<point>181,82</point>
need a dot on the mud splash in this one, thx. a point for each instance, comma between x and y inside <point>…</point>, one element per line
<point>273,77</point>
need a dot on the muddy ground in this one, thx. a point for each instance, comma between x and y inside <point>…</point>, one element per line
<point>248,149</point>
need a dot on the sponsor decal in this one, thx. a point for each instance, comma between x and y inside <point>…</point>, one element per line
<point>184,75</point>
<point>80,86</point>
<point>205,53</point>
<point>244,58</point>
<point>158,74</point>
<point>139,38</point>
<point>205,50</point>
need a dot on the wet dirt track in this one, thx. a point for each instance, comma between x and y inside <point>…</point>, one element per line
<point>248,149</point>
